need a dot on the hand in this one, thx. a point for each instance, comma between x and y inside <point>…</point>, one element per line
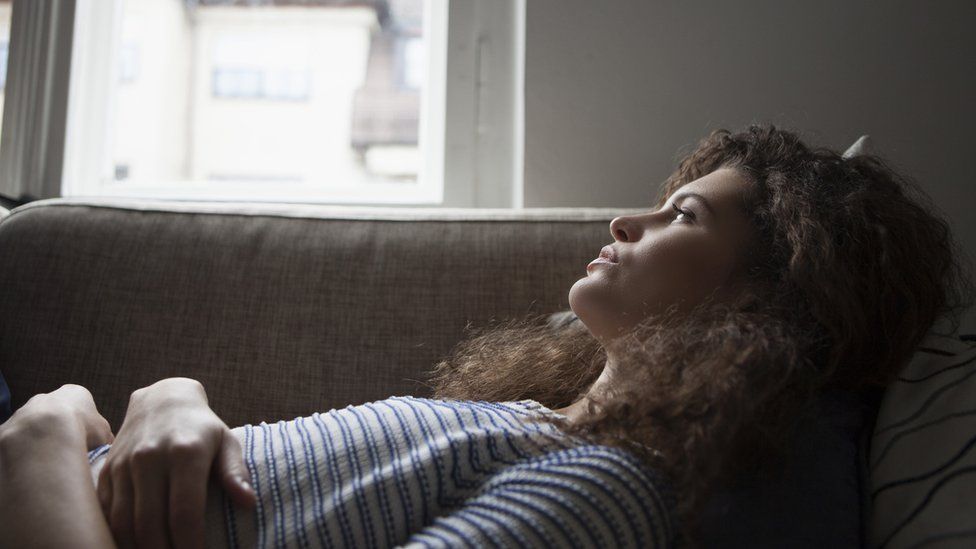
<point>153,485</point>
<point>46,495</point>
<point>68,414</point>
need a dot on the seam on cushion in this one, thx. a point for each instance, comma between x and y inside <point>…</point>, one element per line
<point>588,215</point>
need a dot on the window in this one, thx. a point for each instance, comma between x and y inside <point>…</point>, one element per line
<point>317,101</point>
<point>413,65</point>
<point>4,48</point>
<point>236,82</point>
<point>129,62</point>
<point>255,65</point>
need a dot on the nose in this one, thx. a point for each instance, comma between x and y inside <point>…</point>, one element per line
<point>623,229</point>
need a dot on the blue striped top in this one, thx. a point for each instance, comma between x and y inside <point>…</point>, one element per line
<point>418,472</point>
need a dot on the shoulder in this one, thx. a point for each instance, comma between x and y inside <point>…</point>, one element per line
<point>599,481</point>
<point>605,465</point>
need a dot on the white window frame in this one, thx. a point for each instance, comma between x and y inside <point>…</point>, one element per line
<point>58,52</point>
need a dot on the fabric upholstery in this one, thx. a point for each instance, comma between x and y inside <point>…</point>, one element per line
<point>815,501</point>
<point>280,311</point>
<point>923,465</point>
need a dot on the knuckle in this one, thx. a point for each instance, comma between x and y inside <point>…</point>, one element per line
<point>144,454</point>
<point>185,449</point>
<point>117,471</point>
<point>187,381</point>
<point>137,394</point>
<point>41,399</point>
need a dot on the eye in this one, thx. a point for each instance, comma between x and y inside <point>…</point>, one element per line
<point>687,213</point>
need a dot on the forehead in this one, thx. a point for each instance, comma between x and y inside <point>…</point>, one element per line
<point>729,195</point>
<point>727,191</point>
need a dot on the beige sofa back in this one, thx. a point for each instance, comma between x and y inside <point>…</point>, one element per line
<point>280,310</point>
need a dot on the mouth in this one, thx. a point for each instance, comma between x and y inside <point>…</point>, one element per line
<point>599,261</point>
<point>608,257</point>
<point>608,254</point>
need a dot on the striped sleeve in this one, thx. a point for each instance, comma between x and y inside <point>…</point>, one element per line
<point>588,496</point>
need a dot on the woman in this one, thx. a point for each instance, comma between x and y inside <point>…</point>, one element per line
<point>767,273</point>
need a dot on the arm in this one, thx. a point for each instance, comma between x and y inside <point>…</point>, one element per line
<point>46,495</point>
<point>153,486</point>
<point>592,498</point>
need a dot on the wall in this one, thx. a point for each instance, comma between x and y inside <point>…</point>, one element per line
<point>618,90</point>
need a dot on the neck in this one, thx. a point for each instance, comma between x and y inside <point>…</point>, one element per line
<point>577,410</point>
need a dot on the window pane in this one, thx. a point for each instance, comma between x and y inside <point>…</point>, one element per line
<point>4,48</point>
<point>321,93</point>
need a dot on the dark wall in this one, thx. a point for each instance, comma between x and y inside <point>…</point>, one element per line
<point>617,90</point>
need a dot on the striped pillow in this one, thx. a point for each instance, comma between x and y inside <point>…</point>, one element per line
<point>922,462</point>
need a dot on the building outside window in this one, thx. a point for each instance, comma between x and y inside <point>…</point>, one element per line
<point>321,92</point>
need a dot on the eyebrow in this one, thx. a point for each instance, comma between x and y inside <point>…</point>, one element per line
<point>700,198</point>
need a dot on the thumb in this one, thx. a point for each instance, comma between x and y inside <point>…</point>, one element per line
<point>232,473</point>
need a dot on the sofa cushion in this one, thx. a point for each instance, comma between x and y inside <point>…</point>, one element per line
<point>923,461</point>
<point>280,310</point>
<point>816,500</point>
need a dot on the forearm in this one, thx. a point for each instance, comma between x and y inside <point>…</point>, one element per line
<point>47,498</point>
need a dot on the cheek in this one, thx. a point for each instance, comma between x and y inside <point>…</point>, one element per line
<point>679,270</point>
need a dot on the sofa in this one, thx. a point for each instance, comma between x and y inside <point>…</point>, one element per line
<point>281,310</point>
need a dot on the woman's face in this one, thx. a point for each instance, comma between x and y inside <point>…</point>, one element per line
<point>667,257</point>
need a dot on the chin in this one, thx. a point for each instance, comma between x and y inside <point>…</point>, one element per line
<point>573,297</point>
<point>582,306</point>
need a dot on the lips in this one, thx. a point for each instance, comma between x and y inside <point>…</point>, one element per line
<point>609,254</point>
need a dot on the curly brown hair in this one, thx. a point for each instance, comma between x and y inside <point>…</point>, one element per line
<point>851,266</point>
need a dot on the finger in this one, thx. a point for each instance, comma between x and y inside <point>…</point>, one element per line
<point>188,503</point>
<point>120,513</point>
<point>104,429</point>
<point>104,490</point>
<point>232,472</point>
<point>97,429</point>
<point>99,432</point>
<point>150,497</point>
